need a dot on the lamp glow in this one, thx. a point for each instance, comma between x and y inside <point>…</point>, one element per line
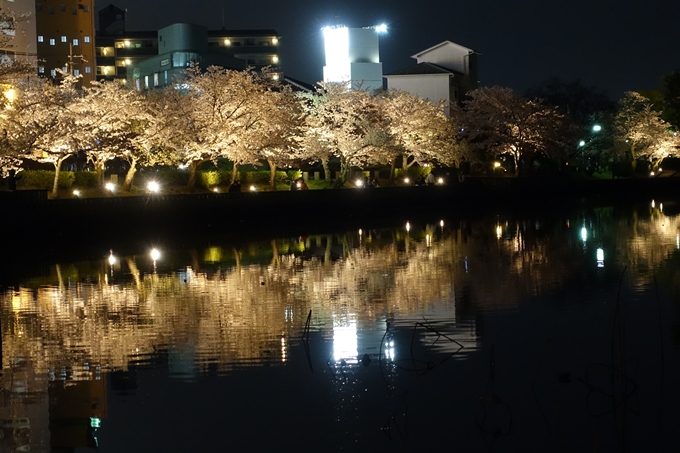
<point>406,180</point>
<point>76,193</point>
<point>155,254</point>
<point>359,183</point>
<point>582,143</point>
<point>153,186</point>
<point>111,187</point>
<point>252,188</point>
<point>597,128</point>
<point>440,181</point>
<point>382,28</point>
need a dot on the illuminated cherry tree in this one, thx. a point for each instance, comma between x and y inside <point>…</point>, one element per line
<point>419,131</point>
<point>349,122</point>
<point>641,127</point>
<point>497,121</point>
<point>215,113</point>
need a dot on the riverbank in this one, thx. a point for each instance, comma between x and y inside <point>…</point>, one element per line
<point>31,214</point>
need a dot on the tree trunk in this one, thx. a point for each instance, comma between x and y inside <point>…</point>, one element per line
<point>234,174</point>
<point>129,176</point>
<point>272,175</point>
<point>57,170</point>
<point>344,168</point>
<point>193,172</point>
<point>100,168</point>
<point>393,169</point>
<point>326,170</point>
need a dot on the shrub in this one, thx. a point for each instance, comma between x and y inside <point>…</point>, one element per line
<point>209,179</point>
<point>255,177</point>
<point>85,179</point>
<point>44,179</point>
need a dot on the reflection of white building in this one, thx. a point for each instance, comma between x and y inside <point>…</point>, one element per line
<point>444,72</point>
<point>352,55</point>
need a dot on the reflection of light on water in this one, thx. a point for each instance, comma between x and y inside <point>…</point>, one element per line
<point>584,234</point>
<point>283,349</point>
<point>600,257</point>
<point>390,350</point>
<point>499,231</point>
<point>677,241</point>
<point>345,340</point>
<point>653,204</point>
<point>428,240</point>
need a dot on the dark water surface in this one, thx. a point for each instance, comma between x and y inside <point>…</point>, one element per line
<point>506,333</point>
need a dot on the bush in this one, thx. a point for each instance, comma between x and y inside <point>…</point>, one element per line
<point>255,177</point>
<point>166,176</point>
<point>44,179</point>
<point>209,179</point>
<point>85,179</point>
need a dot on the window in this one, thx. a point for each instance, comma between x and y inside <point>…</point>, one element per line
<point>165,76</point>
<point>249,42</point>
<point>63,39</point>
<point>41,69</point>
<point>86,39</point>
<point>51,10</point>
<point>62,7</point>
<point>76,72</point>
<point>53,72</point>
<point>263,43</point>
<point>75,41</point>
<point>85,8</point>
<point>64,68</point>
<point>88,69</point>
<point>155,79</point>
<point>40,38</point>
<point>52,42</point>
<point>146,81</point>
<point>38,7</point>
<point>74,11</point>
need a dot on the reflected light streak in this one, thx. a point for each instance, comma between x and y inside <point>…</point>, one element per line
<point>584,234</point>
<point>345,342</point>
<point>600,257</point>
<point>499,231</point>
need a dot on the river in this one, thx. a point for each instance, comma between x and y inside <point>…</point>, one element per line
<point>525,331</point>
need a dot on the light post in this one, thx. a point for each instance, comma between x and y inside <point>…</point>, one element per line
<point>597,128</point>
<point>496,165</point>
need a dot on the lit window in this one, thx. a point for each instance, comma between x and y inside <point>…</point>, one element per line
<point>86,39</point>
<point>88,69</point>
<point>75,41</point>
<point>275,59</point>
<point>146,81</point>
<point>62,7</point>
<point>63,39</point>
<point>227,42</point>
<point>64,68</point>
<point>40,38</point>
<point>155,79</point>
<point>41,69</point>
<point>53,72</point>
<point>52,42</point>
<point>275,41</point>
<point>76,72</point>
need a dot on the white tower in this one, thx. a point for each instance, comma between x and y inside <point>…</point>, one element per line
<point>353,55</point>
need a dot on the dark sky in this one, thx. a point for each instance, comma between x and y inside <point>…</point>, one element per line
<point>613,45</point>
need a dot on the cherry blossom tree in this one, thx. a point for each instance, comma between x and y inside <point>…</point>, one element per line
<point>495,120</point>
<point>419,131</point>
<point>351,123</point>
<point>43,123</point>
<point>641,127</point>
<point>215,114</point>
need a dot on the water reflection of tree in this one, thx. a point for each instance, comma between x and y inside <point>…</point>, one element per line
<point>244,305</point>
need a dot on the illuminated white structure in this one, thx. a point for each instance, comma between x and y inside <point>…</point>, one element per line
<point>443,73</point>
<point>352,55</point>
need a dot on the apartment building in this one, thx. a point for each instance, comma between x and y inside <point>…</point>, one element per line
<point>65,36</point>
<point>156,56</point>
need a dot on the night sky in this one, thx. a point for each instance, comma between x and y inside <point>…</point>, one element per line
<point>613,45</point>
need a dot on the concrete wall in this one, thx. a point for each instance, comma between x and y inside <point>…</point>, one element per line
<point>179,37</point>
<point>433,87</point>
<point>449,56</point>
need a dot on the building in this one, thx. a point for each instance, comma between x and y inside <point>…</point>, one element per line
<point>18,40</point>
<point>65,37</point>
<point>353,55</point>
<point>443,73</point>
<point>123,54</point>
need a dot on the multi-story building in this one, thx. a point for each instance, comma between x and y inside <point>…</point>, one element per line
<point>352,55</point>
<point>18,40</point>
<point>133,56</point>
<point>65,37</point>
<point>443,73</point>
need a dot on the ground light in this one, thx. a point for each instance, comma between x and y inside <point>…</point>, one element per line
<point>440,181</point>
<point>153,186</point>
<point>359,183</point>
<point>76,193</point>
<point>252,188</point>
<point>216,190</point>
<point>111,187</point>
<point>406,180</point>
